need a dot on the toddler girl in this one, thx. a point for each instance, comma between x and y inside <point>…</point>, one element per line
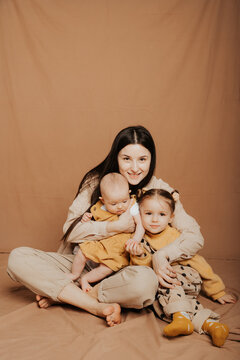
<point>180,302</point>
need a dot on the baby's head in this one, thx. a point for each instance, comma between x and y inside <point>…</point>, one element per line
<point>156,209</point>
<point>114,190</point>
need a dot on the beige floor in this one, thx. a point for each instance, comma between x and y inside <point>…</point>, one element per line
<point>63,332</point>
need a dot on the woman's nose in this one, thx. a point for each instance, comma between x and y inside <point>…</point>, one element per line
<point>135,166</point>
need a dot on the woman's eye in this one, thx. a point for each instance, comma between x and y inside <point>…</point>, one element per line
<point>126,158</point>
<point>148,213</point>
<point>162,214</point>
<point>143,159</point>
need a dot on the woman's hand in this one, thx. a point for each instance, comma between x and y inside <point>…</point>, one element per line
<point>227,298</point>
<point>165,273</point>
<point>133,247</point>
<point>125,223</point>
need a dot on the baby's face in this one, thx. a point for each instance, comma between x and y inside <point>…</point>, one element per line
<point>116,201</point>
<point>155,214</point>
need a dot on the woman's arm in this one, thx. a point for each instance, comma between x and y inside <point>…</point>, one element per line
<point>79,206</point>
<point>93,230</point>
<point>190,241</point>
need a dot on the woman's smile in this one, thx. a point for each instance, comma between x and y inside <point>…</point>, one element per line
<point>134,176</point>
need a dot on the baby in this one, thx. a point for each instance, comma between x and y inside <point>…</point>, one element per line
<point>110,253</point>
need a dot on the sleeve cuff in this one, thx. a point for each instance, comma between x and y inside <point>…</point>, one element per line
<point>91,230</point>
<point>173,253</point>
<point>218,295</point>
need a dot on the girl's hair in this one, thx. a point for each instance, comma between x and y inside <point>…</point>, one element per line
<point>155,193</point>
<point>130,135</point>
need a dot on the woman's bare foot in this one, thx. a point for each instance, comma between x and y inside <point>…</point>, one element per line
<point>84,284</point>
<point>44,302</point>
<point>112,313</point>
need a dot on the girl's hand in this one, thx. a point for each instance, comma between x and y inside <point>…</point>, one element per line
<point>165,273</point>
<point>227,298</point>
<point>86,217</point>
<point>133,247</point>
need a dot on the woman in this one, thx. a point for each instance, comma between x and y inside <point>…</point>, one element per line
<point>133,155</point>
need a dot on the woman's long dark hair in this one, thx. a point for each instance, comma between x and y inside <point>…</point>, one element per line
<point>130,135</point>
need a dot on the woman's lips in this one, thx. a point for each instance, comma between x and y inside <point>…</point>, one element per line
<point>134,176</point>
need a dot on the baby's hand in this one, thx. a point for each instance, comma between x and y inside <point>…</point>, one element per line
<point>227,298</point>
<point>86,217</point>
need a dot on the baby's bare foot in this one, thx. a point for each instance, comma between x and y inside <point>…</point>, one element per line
<point>112,313</point>
<point>44,302</point>
<point>85,284</point>
<point>72,276</point>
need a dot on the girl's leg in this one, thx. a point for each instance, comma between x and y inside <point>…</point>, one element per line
<point>206,321</point>
<point>94,275</point>
<point>218,332</point>
<point>176,303</point>
<point>195,316</point>
<point>180,325</point>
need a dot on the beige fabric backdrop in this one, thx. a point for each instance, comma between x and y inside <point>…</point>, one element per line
<point>73,73</point>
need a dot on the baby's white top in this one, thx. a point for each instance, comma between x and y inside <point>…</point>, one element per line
<point>134,210</point>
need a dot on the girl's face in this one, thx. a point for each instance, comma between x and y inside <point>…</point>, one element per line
<point>134,163</point>
<point>155,214</point>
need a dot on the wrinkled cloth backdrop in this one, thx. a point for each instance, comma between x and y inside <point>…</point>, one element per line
<point>73,73</point>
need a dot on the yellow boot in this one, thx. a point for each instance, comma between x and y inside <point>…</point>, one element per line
<point>218,332</point>
<point>180,325</point>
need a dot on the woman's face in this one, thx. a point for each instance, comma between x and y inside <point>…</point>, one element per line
<point>134,163</point>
